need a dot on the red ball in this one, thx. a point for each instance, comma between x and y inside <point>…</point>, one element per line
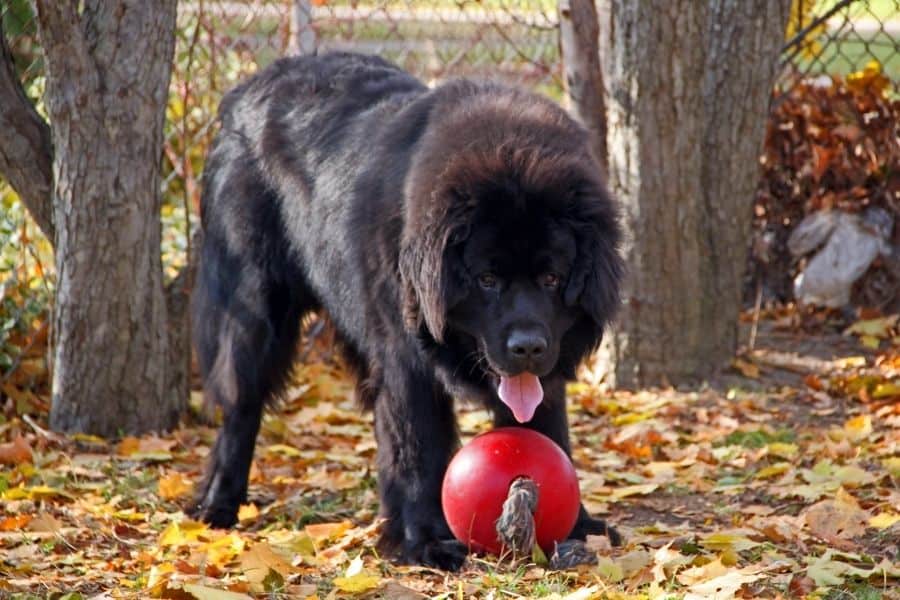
<point>478,479</point>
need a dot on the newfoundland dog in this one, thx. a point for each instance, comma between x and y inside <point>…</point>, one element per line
<point>459,238</point>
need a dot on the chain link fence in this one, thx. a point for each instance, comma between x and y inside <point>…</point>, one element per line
<point>841,37</point>
<point>221,41</point>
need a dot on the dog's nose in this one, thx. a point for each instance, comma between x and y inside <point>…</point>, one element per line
<point>526,345</point>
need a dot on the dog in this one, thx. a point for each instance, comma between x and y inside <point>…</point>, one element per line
<point>460,239</point>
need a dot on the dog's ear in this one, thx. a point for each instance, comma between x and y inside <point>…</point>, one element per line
<point>427,272</point>
<point>596,277</point>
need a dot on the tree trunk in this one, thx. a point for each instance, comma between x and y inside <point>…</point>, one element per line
<point>108,66</point>
<point>578,41</point>
<point>688,87</point>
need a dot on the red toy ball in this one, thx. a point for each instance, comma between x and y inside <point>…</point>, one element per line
<point>478,479</point>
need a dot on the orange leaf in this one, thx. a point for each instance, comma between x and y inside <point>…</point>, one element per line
<point>15,452</point>
<point>14,523</point>
<point>174,485</point>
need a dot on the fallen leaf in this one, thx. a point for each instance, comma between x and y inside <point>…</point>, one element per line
<point>728,541</point>
<point>837,521</point>
<point>877,328</point>
<point>247,512</point>
<point>260,559</point>
<point>884,520</point>
<point>202,592</point>
<point>14,523</point>
<point>858,428</point>
<point>321,532</point>
<point>356,579</point>
<point>175,485</point>
<point>15,452</point>
<point>633,490</point>
<point>746,368</point>
<point>45,522</point>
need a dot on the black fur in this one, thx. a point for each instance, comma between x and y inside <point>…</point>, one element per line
<point>434,227</point>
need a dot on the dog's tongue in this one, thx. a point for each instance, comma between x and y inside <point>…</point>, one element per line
<point>521,394</point>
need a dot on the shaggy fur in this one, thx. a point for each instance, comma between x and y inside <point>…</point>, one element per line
<point>452,235</point>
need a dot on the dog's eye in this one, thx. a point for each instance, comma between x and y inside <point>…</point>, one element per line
<point>549,280</point>
<point>487,280</point>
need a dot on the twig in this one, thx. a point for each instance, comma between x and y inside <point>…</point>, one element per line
<point>801,35</point>
<point>40,430</point>
<point>756,309</point>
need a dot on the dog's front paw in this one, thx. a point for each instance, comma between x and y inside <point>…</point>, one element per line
<point>448,555</point>
<point>587,525</point>
<point>423,539</point>
<point>221,517</point>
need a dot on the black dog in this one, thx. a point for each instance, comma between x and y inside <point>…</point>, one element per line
<point>459,238</point>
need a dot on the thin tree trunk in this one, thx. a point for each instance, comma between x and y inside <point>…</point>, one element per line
<point>26,152</point>
<point>108,68</point>
<point>578,40</point>
<point>688,85</point>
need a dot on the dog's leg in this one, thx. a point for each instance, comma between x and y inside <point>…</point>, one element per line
<point>551,420</point>
<point>416,433</point>
<point>246,333</point>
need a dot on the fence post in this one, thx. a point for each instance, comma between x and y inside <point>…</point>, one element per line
<point>303,35</point>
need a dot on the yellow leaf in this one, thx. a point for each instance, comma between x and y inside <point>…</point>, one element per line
<point>159,575</point>
<point>88,438</point>
<point>320,532</point>
<point>884,520</point>
<point>870,341</point>
<point>292,542</point>
<point>886,390</point>
<point>876,328</point>
<point>783,449</point>
<point>773,470</point>
<point>283,449</point>
<point>633,490</point>
<point>700,573</point>
<point>174,485</point>
<point>633,417</point>
<point>201,592</point>
<point>37,492</point>
<point>728,541</point>
<point>851,362</point>
<point>247,512</point>
<point>361,582</point>
<point>260,559</point>
<point>892,465</point>
<point>177,534</point>
<point>129,514</point>
<point>858,428</point>
<point>224,549</point>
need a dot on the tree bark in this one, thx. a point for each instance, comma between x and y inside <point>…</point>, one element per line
<point>108,67</point>
<point>578,41</point>
<point>26,152</point>
<point>688,88</point>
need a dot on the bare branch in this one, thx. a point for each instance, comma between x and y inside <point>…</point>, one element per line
<point>26,149</point>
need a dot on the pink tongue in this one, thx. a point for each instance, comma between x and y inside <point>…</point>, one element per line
<point>521,394</point>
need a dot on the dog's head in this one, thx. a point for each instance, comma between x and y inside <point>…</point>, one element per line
<point>512,240</point>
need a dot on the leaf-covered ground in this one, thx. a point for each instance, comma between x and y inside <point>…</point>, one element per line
<point>779,479</point>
